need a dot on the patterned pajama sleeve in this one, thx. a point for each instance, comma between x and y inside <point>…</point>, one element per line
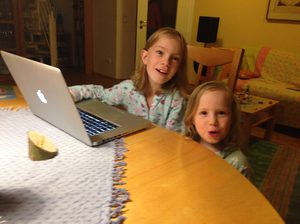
<point>176,113</point>
<point>112,96</point>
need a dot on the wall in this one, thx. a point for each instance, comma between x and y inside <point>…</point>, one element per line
<point>243,23</point>
<point>104,30</point>
<point>126,31</point>
<point>185,17</point>
<point>114,37</point>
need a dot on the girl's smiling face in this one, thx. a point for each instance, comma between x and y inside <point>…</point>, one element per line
<point>212,119</point>
<point>162,61</point>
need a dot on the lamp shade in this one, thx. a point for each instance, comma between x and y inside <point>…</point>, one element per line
<point>207,29</point>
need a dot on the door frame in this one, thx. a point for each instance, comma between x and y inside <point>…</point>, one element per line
<point>184,16</point>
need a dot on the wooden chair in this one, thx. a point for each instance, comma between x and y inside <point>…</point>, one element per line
<point>209,58</point>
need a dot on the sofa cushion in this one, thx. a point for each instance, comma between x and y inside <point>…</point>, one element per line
<point>289,107</point>
<point>250,57</point>
<point>260,60</point>
<point>281,66</point>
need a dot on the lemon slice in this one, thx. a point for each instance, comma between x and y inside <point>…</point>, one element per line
<point>40,147</point>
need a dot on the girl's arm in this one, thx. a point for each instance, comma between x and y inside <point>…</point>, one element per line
<point>113,95</point>
<point>81,92</point>
<point>176,114</point>
<point>239,161</point>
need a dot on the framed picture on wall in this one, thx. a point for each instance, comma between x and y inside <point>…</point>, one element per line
<point>284,10</point>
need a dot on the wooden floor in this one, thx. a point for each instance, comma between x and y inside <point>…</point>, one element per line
<point>281,135</point>
<point>76,78</point>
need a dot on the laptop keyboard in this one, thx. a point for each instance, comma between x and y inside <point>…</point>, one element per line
<point>95,125</point>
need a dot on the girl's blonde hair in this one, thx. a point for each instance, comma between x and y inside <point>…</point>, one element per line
<point>179,81</point>
<point>233,136</point>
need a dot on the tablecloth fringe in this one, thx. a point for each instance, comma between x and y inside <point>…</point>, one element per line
<point>119,195</point>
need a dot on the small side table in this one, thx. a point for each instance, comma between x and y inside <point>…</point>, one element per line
<point>256,111</point>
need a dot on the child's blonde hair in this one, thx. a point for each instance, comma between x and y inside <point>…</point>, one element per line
<point>179,81</point>
<point>193,103</point>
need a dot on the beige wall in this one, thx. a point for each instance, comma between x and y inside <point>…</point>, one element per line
<point>185,17</point>
<point>243,23</point>
<point>126,30</point>
<point>104,30</point>
<point>114,37</point>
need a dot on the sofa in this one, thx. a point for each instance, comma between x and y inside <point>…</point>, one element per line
<point>274,74</point>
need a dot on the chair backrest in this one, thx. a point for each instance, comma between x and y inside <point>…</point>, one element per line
<point>212,57</point>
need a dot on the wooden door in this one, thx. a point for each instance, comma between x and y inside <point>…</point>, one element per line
<point>151,15</point>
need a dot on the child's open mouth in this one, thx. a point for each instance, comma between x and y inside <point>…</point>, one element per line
<point>213,133</point>
<point>162,71</point>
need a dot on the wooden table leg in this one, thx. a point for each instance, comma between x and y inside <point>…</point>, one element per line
<point>270,125</point>
<point>245,132</point>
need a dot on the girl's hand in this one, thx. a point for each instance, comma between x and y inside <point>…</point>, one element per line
<point>73,95</point>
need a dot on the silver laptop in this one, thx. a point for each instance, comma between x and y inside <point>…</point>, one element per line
<point>48,97</point>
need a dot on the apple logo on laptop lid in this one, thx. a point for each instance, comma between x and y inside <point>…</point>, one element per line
<point>41,96</point>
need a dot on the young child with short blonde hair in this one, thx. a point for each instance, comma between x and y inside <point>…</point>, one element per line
<point>212,118</point>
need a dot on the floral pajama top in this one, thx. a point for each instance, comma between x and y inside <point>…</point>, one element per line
<point>167,109</point>
<point>234,156</point>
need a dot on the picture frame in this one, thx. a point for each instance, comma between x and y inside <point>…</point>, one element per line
<point>285,10</point>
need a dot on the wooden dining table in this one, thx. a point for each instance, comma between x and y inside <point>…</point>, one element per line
<point>172,179</point>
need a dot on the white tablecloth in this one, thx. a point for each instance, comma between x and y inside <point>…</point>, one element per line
<point>74,187</point>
